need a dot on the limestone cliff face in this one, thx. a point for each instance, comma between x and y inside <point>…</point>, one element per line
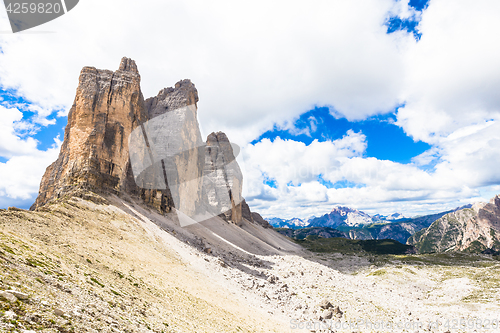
<point>223,178</point>
<point>94,155</point>
<point>174,142</point>
<point>117,142</point>
<point>472,229</point>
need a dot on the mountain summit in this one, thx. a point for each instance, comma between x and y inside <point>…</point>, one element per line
<point>118,143</point>
<point>342,216</point>
<point>94,154</point>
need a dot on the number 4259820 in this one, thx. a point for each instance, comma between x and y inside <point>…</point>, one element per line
<point>26,7</point>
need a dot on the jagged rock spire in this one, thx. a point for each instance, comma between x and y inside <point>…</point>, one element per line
<point>223,178</point>
<point>128,65</point>
<point>94,155</point>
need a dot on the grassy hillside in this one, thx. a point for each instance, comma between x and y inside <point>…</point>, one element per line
<point>323,232</point>
<point>354,246</point>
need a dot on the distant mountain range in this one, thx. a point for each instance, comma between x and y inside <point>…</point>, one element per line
<point>339,216</point>
<point>294,223</point>
<point>356,224</point>
<point>470,228</point>
<point>399,230</point>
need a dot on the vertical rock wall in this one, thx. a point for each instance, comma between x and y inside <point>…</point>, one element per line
<point>94,154</point>
<point>223,178</point>
<point>175,144</point>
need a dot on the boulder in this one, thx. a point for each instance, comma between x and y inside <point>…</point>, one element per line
<point>8,296</point>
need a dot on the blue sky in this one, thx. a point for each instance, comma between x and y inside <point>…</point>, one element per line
<point>408,24</point>
<point>379,105</point>
<point>386,141</point>
<point>52,127</point>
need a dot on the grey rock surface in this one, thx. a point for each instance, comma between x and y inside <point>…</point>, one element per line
<point>223,179</point>
<point>8,296</point>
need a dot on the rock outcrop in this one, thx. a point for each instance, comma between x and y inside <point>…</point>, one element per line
<point>254,217</point>
<point>168,99</point>
<point>472,229</point>
<point>399,230</point>
<point>223,178</point>
<point>94,155</point>
<point>257,218</point>
<point>116,142</point>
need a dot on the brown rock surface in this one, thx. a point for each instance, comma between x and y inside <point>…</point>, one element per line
<point>94,155</point>
<point>490,213</point>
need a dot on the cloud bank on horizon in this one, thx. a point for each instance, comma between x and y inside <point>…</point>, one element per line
<point>422,77</point>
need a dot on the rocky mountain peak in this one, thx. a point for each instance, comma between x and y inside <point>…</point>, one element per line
<point>342,210</point>
<point>94,154</point>
<point>477,206</point>
<point>183,94</point>
<point>128,65</point>
<point>341,215</point>
<point>116,142</point>
<point>214,138</point>
<point>222,172</point>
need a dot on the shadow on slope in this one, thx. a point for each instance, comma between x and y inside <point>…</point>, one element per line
<point>234,246</point>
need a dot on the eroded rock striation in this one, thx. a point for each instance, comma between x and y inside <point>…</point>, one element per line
<point>116,142</point>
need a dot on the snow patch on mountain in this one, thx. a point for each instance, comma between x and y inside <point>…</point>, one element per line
<point>341,215</point>
<point>294,223</point>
